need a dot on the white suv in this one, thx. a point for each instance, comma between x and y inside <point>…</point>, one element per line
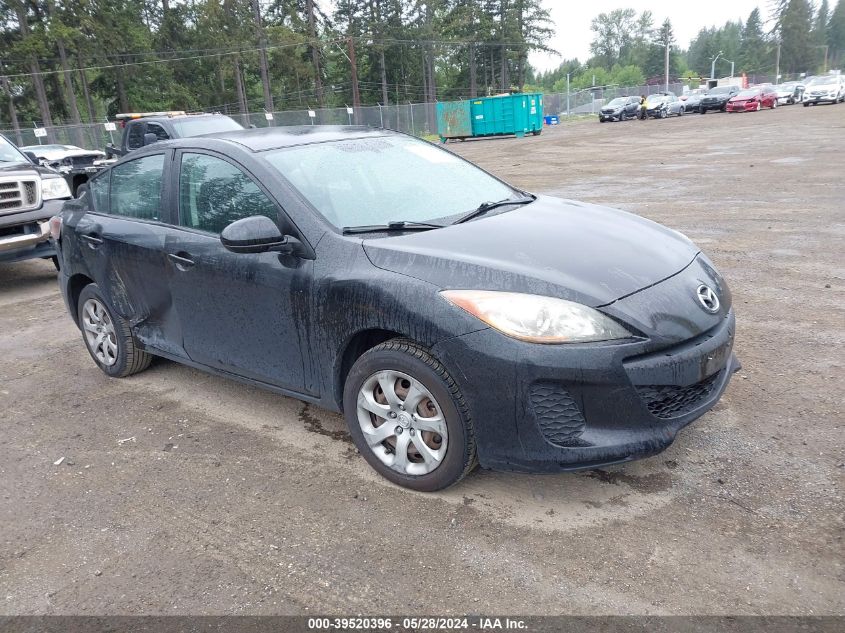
<point>825,89</point>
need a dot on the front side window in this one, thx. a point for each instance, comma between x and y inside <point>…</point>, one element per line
<point>136,188</point>
<point>99,188</point>
<point>213,193</point>
<point>382,179</point>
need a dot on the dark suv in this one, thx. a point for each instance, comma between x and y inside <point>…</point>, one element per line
<point>619,109</point>
<point>717,98</point>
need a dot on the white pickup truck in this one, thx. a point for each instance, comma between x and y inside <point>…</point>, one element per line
<point>30,195</point>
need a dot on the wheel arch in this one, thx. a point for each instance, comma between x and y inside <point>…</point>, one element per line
<point>356,346</point>
<point>74,288</point>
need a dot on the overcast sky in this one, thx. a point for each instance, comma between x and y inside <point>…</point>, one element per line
<point>572,21</point>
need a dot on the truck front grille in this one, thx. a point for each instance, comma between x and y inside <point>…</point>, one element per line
<point>18,195</point>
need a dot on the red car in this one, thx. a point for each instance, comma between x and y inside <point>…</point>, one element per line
<point>753,99</point>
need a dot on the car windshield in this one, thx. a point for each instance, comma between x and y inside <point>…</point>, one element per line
<point>618,101</point>
<point>745,94</point>
<point>195,126</point>
<point>378,180</point>
<point>9,153</point>
<point>655,99</point>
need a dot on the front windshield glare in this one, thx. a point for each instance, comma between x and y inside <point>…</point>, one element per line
<point>618,101</point>
<point>377,180</point>
<point>9,153</point>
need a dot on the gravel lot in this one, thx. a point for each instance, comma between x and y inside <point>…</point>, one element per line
<point>230,500</point>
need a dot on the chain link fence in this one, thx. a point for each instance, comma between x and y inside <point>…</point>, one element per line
<point>418,119</point>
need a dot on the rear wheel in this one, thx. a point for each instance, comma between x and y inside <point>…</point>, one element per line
<point>408,418</point>
<point>774,104</point>
<point>107,336</point>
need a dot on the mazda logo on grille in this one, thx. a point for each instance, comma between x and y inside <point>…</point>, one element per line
<point>708,298</point>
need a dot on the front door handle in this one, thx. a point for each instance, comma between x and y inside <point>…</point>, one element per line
<point>93,239</point>
<point>182,260</point>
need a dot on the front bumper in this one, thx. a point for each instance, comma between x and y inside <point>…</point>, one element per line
<point>820,99</point>
<point>713,106</point>
<point>547,408</point>
<point>27,235</point>
<point>747,106</point>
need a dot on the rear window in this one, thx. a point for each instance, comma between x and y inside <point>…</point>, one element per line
<point>196,126</point>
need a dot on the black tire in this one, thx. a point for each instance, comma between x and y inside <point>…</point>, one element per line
<point>806,104</point>
<point>405,356</point>
<point>130,358</point>
<point>702,111</point>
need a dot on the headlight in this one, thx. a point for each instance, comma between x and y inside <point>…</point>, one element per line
<point>536,318</point>
<point>52,188</point>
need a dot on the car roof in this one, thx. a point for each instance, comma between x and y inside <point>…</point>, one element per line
<point>262,139</point>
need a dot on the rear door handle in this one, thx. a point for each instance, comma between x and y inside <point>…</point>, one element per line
<point>182,260</point>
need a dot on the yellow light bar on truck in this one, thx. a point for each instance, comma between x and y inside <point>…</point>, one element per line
<point>141,115</point>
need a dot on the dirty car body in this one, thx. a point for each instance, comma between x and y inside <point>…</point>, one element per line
<point>298,319</point>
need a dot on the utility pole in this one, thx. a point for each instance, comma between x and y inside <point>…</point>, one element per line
<point>567,93</point>
<point>777,65</point>
<point>666,69</point>
<point>356,96</point>
<point>262,57</point>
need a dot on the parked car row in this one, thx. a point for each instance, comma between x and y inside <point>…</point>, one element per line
<point>811,91</point>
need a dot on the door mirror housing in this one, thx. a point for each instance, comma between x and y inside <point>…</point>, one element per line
<point>32,158</point>
<point>150,138</point>
<point>256,234</point>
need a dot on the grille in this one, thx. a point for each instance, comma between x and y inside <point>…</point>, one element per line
<point>557,414</point>
<point>16,195</point>
<point>672,401</point>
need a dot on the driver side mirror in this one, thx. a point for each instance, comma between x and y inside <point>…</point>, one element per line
<point>150,138</point>
<point>258,234</point>
<point>32,158</point>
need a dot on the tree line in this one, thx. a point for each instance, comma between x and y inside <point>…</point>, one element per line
<point>78,61</point>
<point>628,48</point>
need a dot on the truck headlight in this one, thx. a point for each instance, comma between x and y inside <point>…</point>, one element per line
<point>54,188</point>
<point>536,318</point>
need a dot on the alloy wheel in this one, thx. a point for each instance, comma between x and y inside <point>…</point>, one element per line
<point>402,423</point>
<point>99,332</point>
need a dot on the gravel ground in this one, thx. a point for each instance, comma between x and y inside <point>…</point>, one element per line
<point>183,493</point>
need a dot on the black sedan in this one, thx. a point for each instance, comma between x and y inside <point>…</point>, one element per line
<point>452,318</point>
<point>717,98</point>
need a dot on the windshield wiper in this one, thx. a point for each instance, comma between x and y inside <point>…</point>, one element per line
<point>400,225</point>
<point>484,207</point>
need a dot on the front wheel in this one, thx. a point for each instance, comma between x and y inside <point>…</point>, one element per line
<point>774,104</point>
<point>107,336</point>
<point>702,111</point>
<point>407,417</point>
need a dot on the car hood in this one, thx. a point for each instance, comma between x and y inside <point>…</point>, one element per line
<point>738,99</point>
<point>572,250</point>
<point>824,87</point>
<point>55,155</point>
<point>24,168</point>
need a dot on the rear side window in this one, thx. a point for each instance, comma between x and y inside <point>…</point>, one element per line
<point>99,188</point>
<point>155,128</point>
<point>135,139</point>
<point>136,188</point>
<point>213,193</point>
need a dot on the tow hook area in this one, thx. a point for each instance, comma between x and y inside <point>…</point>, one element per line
<point>28,236</point>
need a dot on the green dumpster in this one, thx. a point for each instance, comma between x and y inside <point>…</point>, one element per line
<point>453,120</point>
<point>516,114</point>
